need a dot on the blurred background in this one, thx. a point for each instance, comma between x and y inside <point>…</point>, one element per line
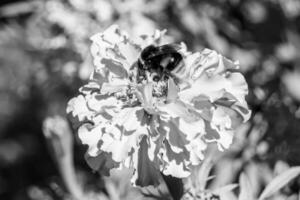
<point>44,59</point>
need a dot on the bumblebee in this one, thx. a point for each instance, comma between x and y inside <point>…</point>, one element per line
<point>161,61</point>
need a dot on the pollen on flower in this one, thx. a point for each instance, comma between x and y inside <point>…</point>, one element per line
<point>160,89</point>
<point>127,96</point>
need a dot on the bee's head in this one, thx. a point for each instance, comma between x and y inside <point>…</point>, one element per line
<point>160,60</point>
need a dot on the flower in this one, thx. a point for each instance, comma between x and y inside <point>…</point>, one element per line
<point>154,107</point>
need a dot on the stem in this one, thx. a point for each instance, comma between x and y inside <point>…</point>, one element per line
<point>60,144</point>
<point>67,171</point>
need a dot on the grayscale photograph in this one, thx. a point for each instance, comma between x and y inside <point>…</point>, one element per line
<point>150,100</point>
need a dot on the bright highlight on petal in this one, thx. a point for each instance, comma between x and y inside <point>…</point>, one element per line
<point>156,107</point>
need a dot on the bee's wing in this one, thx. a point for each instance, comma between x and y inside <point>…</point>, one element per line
<point>170,47</point>
<point>166,49</point>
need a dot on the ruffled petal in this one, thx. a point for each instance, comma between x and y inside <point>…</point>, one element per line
<point>175,164</point>
<point>123,131</point>
<point>220,129</point>
<point>212,62</point>
<point>131,119</point>
<point>144,94</point>
<point>90,136</point>
<point>224,140</point>
<point>130,51</point>
<point>114,86</point>
<point>102,163</point>
<point>192,133</point>
<point>177,139</point>
<point>191,129</point>
<point>206,85</point>
<point>157,38</point>
<point>157,135</point>
<point>103,104</point>
<point>113,49</point>
<point>184,72</point>
<point>89,88</point>
<point>196,147</point>
<point>238,111</point>
<point>116,68</point>
<point>179,109</point>
<point>214,70</point>
<point>172,91</point>
<point>146,171</point>
<point>77,106</point>
<point>215,87</point>
<point>203,106</point>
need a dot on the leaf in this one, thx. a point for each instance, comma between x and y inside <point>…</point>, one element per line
<point>229,195</point>
<point>279,182</point>
<point>246,190</point>
<point>204,171</point>
<point>225,189</point>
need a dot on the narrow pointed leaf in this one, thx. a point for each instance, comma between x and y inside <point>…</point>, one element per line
<point>204,171</point>
<point>225,189</point>
<point>246,190</point>
<point>279,182</point>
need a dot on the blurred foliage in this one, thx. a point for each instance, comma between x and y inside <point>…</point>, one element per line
<point>44,58</point>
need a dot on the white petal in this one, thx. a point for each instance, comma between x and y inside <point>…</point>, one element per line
<point>113,45</point>
<point>78,107</point>
<point>175,163</point>
<point>114,85</point>
<point>176,170</point>
<point>99,103</point>
<point>91,136</point>
<point>131,119</point>
<point>111,35</point>
<point>144,94</point>
<point>130,51</point>
<point>179,109</point>
<point>146,172</point>
<point>196,148</point>
<point>172,91</point>
<point>124,133</point>
<point>192,129</point>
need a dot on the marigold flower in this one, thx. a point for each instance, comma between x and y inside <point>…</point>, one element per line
<point>154,107</point>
